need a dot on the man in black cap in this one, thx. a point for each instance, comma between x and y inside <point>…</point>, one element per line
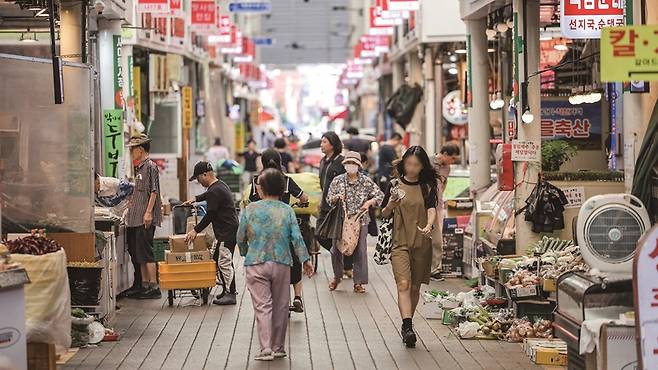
<point>223,216</point>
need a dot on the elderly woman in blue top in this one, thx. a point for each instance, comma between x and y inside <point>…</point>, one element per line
<point>267,229</point>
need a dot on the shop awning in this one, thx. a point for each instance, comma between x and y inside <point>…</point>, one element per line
<point>265,116</point>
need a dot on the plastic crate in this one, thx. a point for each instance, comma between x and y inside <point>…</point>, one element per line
<point>159,248</point>
<point>535,309</point>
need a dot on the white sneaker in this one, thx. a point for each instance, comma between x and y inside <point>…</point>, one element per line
<point>280,354</point>
<point>265,356</point>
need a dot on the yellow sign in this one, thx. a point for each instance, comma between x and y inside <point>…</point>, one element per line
<point>629,53</point>
<point>187,107</point>
<point>137,91</point>
<point>239,137</point>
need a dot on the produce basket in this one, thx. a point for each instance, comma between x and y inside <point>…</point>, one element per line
<point>535,310</point>
<point>524,293</point>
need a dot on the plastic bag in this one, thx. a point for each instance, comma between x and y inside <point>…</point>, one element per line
<point>310,184</point>
<point>47,298</point>
<point>468,329</point>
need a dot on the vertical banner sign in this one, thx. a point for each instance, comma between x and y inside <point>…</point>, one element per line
<point>118,72</point>
<point>129,84</point>
<point>112,140</point>
<point>584,19</point>
<point>187,107</point>
<point>176,8</point>
<point>645,276</point>
<point>239,137</point>
<point>153,6</point>
<point>629,53</point>
<point>204,15</point>
<point>469,83</point>
<point>137,91</point>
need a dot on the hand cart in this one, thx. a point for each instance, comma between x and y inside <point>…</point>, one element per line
<point>197,277</point>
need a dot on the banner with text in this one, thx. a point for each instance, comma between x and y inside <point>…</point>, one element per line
<point>578,124</point>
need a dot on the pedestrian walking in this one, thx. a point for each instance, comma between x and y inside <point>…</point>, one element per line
<point>358,193</point>
<point>287,161</point>
<point>331,165</point>
<point>250,162</point>
<point>224,219</point>
<point>217,152</point>
<point>356,144</point>
<point>388,153</point>
<point>411,201</point>
<point>144,215</point>
<point>272,159</point>
<point>267,230</point>
<point>448,155</point>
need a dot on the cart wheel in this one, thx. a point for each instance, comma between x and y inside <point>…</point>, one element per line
<point>205,293</point>
<point>170,294</point>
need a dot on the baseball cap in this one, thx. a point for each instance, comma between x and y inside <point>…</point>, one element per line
<point>201,168</point>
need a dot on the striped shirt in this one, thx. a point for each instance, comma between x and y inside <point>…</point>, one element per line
<point>147,181</point>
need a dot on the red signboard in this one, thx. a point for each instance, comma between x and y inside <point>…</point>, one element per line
<point>584,19</point>
<point>153,6</point>
<point>176,7</point>
<point>204,14</point>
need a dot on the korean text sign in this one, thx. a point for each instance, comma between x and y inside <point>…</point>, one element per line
<point>645,276</point>
<point>578,124</point>
<point>526,151</point>
<point>112,140</point>
<point>153,6</point>
<point>584,19</point>
<point>629,53</point>
<point>188,116</point>
<point>204,14</point>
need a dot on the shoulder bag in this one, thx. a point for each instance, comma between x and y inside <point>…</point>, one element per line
<point>385,238</point>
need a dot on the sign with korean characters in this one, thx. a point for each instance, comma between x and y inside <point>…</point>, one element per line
<point>118,72</point>
<point>250,7</point>
<point>575,196</point>
<point>153,6</point>
<point>584,19</point>
<point>580,124</point>
<point>204,15</point>
<point>526,151</point>
<point>188,116</point>
<point>112,140</point>
<point>629,53</point>
<point>645,286</point>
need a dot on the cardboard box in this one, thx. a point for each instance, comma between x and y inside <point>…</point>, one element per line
<point>187,257</point>
<point>546,351</point>
<point>549,285</point>
<point>177,243</point>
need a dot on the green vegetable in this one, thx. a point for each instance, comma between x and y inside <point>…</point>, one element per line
<point>79,313</point>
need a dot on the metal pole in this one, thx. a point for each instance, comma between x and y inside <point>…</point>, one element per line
<point>58,84</point>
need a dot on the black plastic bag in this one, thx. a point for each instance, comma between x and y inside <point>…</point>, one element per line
<point>331,226</point>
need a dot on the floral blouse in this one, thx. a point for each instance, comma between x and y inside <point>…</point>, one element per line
<point>356,193</point>
<point>267,230</point>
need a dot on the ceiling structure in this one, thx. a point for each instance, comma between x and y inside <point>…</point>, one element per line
<point>308,31</point>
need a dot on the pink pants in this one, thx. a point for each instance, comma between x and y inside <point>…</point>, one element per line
<point>269,285</point>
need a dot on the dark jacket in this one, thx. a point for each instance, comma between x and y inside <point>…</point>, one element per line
<point>328,171</point>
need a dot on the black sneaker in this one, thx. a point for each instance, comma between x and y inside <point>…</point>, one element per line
<point>229,299</point>
<point>133,292</point>
<point>297,305</point>
<point>437,277</point>
<point>409,337</point>
<point>151,293</point>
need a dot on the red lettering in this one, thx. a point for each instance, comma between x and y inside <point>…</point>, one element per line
<point>654,254</point>
<point>655,297</point>
<point>621,50</point>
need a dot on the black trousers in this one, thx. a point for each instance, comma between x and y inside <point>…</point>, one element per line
<point>230,245</point>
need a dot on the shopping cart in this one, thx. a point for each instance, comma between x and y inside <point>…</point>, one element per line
<point>193,279</point>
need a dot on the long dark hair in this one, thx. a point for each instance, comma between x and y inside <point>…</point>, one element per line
<point>335,142</point>
<point>271,159</point>
<point>428,177</point>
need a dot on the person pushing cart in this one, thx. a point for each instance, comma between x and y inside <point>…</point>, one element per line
<point>223,216</point>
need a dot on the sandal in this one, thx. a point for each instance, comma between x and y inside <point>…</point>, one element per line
<point>333,285</point>
<point>358,288</point>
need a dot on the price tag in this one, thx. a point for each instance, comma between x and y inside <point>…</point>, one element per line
<point>526,291</point>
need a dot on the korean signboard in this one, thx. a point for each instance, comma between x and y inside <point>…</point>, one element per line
<point>584,19</point>
<point>403,4</point>
<point>250,7</point>
<point>645,276</point>
<point>112,140</point>
<point>575,196</point>
<point>187,107</point>
<point>153,6</point>
<point>176,7</point>
<point>629,53</point>
<point>526,151</point>
<point>118,72</point>
<point>204,15</point>
<point>578,124</point>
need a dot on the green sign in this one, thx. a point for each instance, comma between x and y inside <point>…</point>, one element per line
<point>112,140</point>
<point>118,72</point>
<point>629,53</point>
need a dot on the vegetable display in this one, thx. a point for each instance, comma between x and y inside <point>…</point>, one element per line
<point>523,328</point>
<point>522,278</point>
<point>34,245</point>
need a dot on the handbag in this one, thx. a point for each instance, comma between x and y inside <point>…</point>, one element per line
<point>351,232</point>
<point>331,226</point>
<point>385,238</point>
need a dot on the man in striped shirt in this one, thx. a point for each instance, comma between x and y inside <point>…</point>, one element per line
<point>144,214</point>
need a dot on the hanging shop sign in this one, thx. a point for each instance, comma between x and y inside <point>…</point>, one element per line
<point>250,7</point>
<point>153,6</point>
<point>575,196</point>
<point>112,140</point>
<point>118,72</point>
<point>403,4</point>
<point>178,31</point>
<point>629,53</point>
<point>454,110</point>
<point>204,15</point>
<point>578,124</point>
<point>645,275</point>
<point>248,51</point>
<point>526,151</point>
<point>176,7</point>
<point>188,115</point>
<point>378,43</point>
<point>377,20</point>
<point>239,136</point>
<point>137,91</point>
<point>584,19</point>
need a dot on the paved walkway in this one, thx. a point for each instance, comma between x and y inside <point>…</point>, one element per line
<point>339,330</point>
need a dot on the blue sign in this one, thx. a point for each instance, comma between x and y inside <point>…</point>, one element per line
<point>578,124</point>
<point>250,7</point>
<point>263,41</point>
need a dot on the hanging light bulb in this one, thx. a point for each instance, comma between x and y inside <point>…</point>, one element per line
<point>573,100</point>
<point>502,27</point>
<point>491,33</point>
<point>527,117</point>
<point>492,105</point>
<point>596,97</point>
